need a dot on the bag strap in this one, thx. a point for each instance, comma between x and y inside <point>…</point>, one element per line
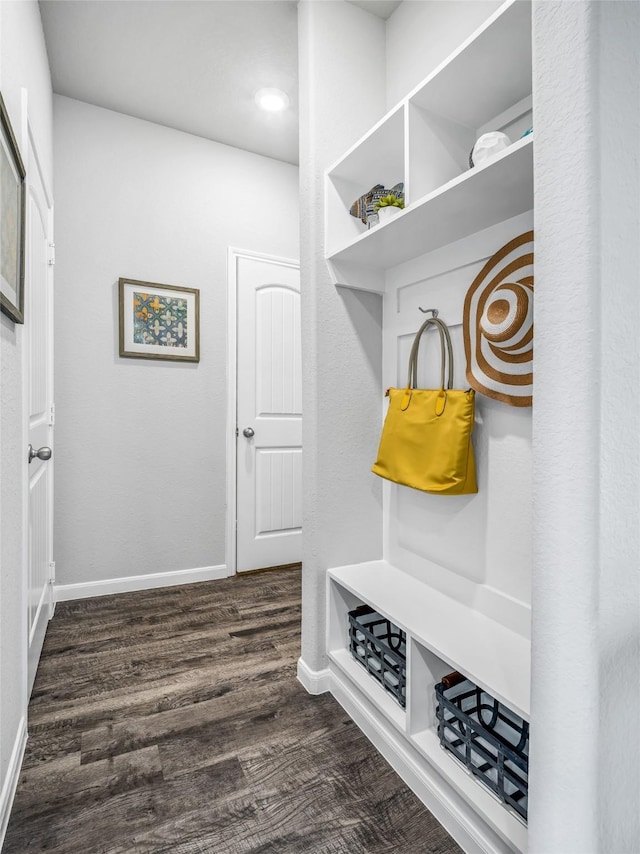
<point>446,349</point>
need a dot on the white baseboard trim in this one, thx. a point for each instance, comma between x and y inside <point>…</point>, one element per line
<point>10,782</point>
<point>314,681</point>
<point>84,590</point>
<point>458,818</point>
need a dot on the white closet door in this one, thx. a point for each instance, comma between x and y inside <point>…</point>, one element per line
<point>269,410</point>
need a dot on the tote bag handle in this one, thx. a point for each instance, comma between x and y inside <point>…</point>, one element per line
<point>446,349</point>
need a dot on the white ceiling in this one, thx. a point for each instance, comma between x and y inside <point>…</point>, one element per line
<point>187,64</point>
<point>193,65</point>
<point>381,8</point>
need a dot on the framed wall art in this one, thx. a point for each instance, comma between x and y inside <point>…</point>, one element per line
<point>159,321</point>
<point>12,221</point>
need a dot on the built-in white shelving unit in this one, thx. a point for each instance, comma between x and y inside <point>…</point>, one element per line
<point>491,655</point>
<point>425,141</point>
<point>473,200</point>
<point>442,635</point>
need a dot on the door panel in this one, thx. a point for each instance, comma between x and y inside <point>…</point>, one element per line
<point>269,403</point>
<point>278,383</point>
<point>38,323</point>
<point>38,547</point>
<point>278,479</point>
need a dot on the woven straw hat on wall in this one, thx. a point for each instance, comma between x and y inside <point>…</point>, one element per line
<point>498,325</point>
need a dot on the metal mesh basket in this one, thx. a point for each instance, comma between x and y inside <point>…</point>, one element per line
<point>487,737</point>
<point>380,647</point>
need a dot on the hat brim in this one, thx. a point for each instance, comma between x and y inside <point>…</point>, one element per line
<point>502,369</point>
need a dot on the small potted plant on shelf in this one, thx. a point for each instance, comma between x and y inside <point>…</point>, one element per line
<point>388,206</point>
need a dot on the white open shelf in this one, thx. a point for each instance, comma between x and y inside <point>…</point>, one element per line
<point>359,677</point>
<point>377,158</point>
<point>488,72</point>
<point>425,142</point>
<point>477,199</point>
<point>381,148</point>
<point>494,657</point>
<point>441,635</point>
<point>505,822</point>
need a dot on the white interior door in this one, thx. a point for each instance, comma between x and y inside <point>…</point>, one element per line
<point>269,414</point>
<point>39,372</point>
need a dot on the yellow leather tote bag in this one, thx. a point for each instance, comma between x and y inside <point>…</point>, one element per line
<point>426,437</point>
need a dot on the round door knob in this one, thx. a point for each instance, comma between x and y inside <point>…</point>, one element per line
<point>43,453</point>
<point>248,432</point>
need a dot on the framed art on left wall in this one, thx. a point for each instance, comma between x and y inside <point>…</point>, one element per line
<point>12,221</point>
<point>159,321</point>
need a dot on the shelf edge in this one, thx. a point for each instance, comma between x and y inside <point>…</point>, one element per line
<point>435,645</point>
<point>520,148</point>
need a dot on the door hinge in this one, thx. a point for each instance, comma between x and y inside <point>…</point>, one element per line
<point>52,415</point>
<point>237,432</point>
<point>52,572</point>
<point>52,254</point>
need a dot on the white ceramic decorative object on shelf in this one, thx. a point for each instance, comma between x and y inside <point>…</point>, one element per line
<point>388,212</point>
<point>488,146</point>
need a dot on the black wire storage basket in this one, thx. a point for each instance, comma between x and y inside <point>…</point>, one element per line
<point>380,647</point>
<point>487,737</point>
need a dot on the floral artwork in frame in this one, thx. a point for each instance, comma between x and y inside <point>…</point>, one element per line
<point>12,222</point>
<point>159,321</point>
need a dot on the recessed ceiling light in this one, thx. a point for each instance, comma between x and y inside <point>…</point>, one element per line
<point>273,100</point>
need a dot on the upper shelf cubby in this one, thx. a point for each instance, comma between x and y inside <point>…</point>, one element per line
<point>377,159</point>
<point>425,141</point>
<point>477,199</point>
<point>489,72</point>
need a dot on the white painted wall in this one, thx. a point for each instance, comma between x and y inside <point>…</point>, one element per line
<point>341,96</point>
<point>23,66</point>
<point>585,775</point>
<point>140,444</point>
<point>475,549</point>
<point>422,33</point>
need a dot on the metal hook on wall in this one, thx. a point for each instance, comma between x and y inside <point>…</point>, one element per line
<point>434,311</point>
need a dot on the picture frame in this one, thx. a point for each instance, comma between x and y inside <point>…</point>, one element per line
<point>159,321</point>
<point>12,221</point>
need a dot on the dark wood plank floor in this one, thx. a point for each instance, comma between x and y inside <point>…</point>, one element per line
<point>171,721</point>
